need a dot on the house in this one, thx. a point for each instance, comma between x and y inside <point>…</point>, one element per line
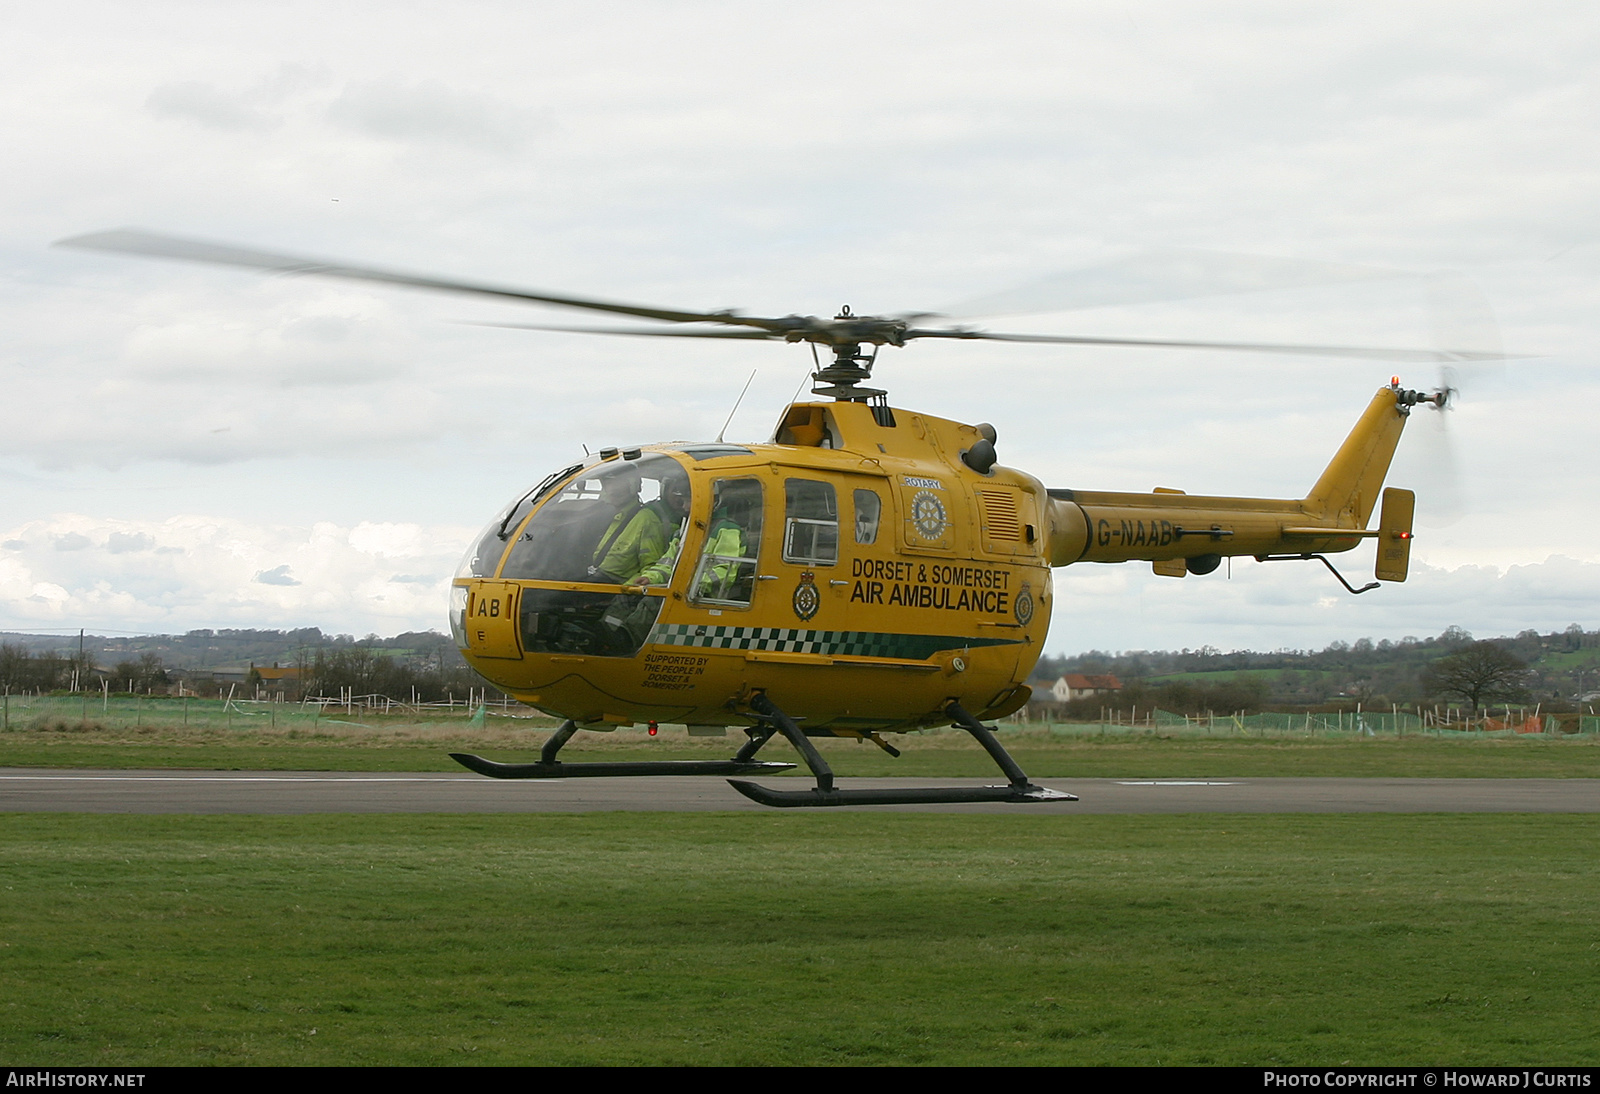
<point>276,678</point>
<point>1075,685</point>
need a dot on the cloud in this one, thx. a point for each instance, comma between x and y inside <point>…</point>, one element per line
<point>231,572</point>
<point>392,540</point>
<point>1289,605</point>
<point>258,108</point>
<point>72,541</point>
<point>696,166</point>
<point>52,594</point>
<point>429,112</point>
<point>206,105</point>
<point>217,571</point>
<point>120,543</point>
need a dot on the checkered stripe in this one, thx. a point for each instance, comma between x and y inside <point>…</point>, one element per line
<point>909,647</point>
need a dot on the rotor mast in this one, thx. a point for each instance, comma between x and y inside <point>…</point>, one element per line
<point>841,379</point>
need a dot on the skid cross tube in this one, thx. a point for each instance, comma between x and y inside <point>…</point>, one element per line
<point>797,737</point>
<point>991,745</point>
<point>825,793</point>
<point>759,735</point>
<point>547,754</point>
<point>549,767</point>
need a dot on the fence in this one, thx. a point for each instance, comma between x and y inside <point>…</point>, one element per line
<point>122,710</point>
<point>1444,723</point>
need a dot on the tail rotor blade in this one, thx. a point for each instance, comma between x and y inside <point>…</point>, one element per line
<point>1433,468</point>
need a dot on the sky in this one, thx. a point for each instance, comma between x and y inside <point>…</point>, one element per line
<point>187,446</point>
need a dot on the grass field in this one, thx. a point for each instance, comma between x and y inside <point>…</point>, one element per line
<point>781,938</point>
<point>399,743</point>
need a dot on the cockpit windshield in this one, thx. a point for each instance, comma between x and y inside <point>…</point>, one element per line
<point>484,555</point>
<point>617,523</point>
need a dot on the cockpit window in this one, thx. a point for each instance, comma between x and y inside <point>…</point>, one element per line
<point>607,525</point>
<point>590,623</point>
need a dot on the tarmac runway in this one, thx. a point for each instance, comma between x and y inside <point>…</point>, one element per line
<point>93,791</point>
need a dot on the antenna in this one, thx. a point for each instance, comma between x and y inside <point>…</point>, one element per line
<point>816,361</point>
<point>735,409</point>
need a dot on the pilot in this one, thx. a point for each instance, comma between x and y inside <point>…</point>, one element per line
<point>635,536</point>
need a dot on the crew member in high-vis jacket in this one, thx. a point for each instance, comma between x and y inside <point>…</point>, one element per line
<point>675,511</point>
<point>634,539</point>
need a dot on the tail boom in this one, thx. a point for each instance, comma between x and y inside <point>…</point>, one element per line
<point>1168,527</point>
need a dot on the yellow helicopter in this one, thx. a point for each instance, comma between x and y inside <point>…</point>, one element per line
<point>870,569</point>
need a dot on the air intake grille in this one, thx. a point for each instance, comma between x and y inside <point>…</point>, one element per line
<point>1000,515</point>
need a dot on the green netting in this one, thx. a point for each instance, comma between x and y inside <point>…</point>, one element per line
<point>121,711</point>
<point>1349,723</point>
<point>65,711</point>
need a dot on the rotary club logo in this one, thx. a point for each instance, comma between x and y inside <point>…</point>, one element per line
<point>927,515</point>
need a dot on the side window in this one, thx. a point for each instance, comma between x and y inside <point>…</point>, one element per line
<point>869,507</point>
<point>726,573</point>
<point>810,523</point>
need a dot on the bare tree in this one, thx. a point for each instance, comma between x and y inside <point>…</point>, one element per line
<point>1480,672</point>
<point>147,672</point>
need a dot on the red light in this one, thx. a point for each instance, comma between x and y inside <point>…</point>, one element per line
<point>1403,535</point>
<point>1394,381</point>
<point>652,729</point>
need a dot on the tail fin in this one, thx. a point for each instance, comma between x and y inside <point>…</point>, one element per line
<point>1349,488</point>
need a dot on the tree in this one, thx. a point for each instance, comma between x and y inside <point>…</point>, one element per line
<point>1477,673</point>
<point>148,672</point>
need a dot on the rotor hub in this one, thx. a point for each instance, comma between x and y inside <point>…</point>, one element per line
<point>841,379</point>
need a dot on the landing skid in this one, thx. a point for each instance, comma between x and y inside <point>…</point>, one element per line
<point>603,770</point>
<point>932,795</point>
<point>549,767</point>
<point>1020,791</point>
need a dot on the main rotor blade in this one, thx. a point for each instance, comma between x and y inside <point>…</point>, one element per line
<point>153,245</point>
<point>1364,352</point>
<point>1461,316</point>
<point>1370,352</point>
<point>645,332</point>
<point>1171,274</point>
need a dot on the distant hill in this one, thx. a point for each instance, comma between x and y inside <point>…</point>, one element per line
<point>1563,665</point>
<point>415,665</point>
<point>203,650</point>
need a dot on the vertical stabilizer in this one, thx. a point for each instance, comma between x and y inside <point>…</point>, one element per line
<point>1349,489</point>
